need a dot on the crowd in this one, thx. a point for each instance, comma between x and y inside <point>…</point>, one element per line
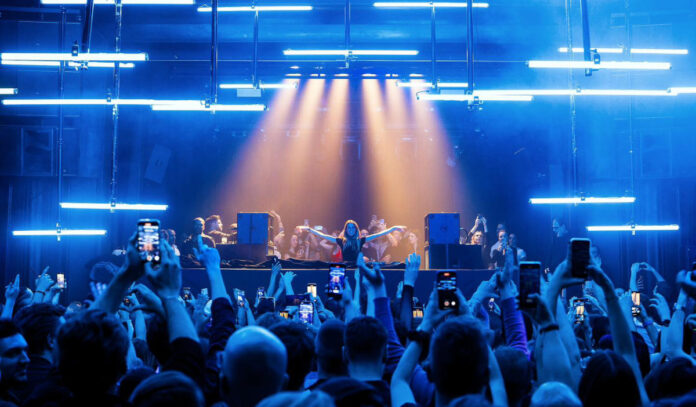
<point>382,244</point>
<point>140,341</point>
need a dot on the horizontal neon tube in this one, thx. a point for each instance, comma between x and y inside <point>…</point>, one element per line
<point>62,232</point>
<point>577,92</point>
<point>102,2</point>
<point>416,84</point>
<point>453,85</point>
<point>213,108</point>
<point>93,102</point>
<point>8,91</point>
<point>454,97</point>
<point>421,4</point>
<point>64,56</point>
<point>282,85</point>
<point>580,50</point>
<point>601,65</point>
<point>679,90</point>
<point>659,51</point>
<point>30,63</point>
<point>631,228</point>
<point>346,53</point>
<point>578,200</point>
<point>70,64</point>
<point>293,74</point>
<point>118,206</point>
<point>208,9</point>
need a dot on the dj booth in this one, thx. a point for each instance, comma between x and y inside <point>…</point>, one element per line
<point>249,279</point>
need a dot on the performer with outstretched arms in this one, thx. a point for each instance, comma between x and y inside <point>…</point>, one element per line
<point>350,241</point>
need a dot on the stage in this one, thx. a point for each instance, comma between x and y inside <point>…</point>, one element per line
<point>249,279</point>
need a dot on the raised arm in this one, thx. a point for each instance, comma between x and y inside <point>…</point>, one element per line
<point>318,233</point>
<point>132,270</point>
<point>384,232</point>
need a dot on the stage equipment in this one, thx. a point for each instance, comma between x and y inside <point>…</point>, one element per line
<point>442,228</point>
<point>254,228</point>
<point>453,256</point>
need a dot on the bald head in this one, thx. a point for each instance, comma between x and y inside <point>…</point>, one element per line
<point>253,366</point>
<point>555,394</point>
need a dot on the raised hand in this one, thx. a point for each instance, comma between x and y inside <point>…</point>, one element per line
<point>44,281</point>
<point>413,262</point>
<point>167,277</point>
<point>601,279</point>
<point>660,305</point>
<point>433,315</point>
<point>208,256</point>
<point>150,301</point>
<point>133,265</point>
<point>12,290</point>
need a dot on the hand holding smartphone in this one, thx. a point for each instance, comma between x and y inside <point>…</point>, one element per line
<point>446,290</point>
<point>148,242</point>
<point>530,283</point>
<point>306,312</point>
<point>337,277</point>
<point>579,257</point>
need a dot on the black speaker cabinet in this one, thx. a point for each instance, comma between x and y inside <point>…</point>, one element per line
<point>454,256</point>
<point>253,228</point>
<point>442,228</point>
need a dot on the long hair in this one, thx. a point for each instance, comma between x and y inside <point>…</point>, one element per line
<point>351,242</point>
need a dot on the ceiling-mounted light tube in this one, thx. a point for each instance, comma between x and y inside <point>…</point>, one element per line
<point>281,85</point>
<point>93,102</point>
<point>577,92</point>
<point>659,51</point>
<point>293,74</point>
<point>114,206</point>
<point>461,97</point>
<point>198,107</point>
<point>601,65</point>
<point>632,228</point>
<point>679,90</point>
<point>111,2</point>
<point>70,64</point>
<point>65,56</point>
<point>423,4</point>
<point>452,85</point>
<point>30,63</point>
<point>8,91</point>
<point>346,53</point>
<point>582,200</point>
<point>60,232</point>
<point>414,84</point>
<point>580,50</point>
<point>224,9</point>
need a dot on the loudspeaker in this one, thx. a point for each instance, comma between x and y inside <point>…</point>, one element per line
<point>442,228</point>
<point>454,256</point>
<point>253,228</point>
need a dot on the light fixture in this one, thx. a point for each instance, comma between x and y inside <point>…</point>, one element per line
<point>369,75</point>
<point>70,64</point>
<point>208,9</point>
<point>64,56</point>
<point>452,85</point>
<point>102,2</point>
<point>680,90</point>
<point>414,84</point>
<point>342,75</point>
<point>198,107</point>
<point>293,74</point>
<point>416,75</point>
<point>8,91</point>
<point>577,92</point>
<point>93,102</point>
<point>600,65</point>
<point>580,50</point>
<point>462,97</point>
<point>113,206</point>
<point>281,85</point>
<point>423,4</point>
<point>30,63</point>
<point>295,67</point>
<point>659,51</point>
<point>632,228</point>
<point>347,53</point>
<point>582,200</point>
<point>60,232</point>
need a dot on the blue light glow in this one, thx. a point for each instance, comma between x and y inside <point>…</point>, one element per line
<point>632,228</point>
<point>117,206</point>
<point>581,200</point>
<point>60,232</point>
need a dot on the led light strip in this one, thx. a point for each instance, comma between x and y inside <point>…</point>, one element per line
<point>115,206</point>
<point>347,53</point>
<point>70,64</point>
<point>423,4</point>
<point>632,228</point>
<point>581,200</point>
<point>212,108</point>
<point>577,92</point>
<point>601,65</point>
<point>461,97</point>
<point>656,51</point>
<point>60,232</point>
<point>193,105</point>
<point>8,91</point>
<point>64,56</point>
<point>208,9</point>
<point>281,85</point>
<point>131,2</point>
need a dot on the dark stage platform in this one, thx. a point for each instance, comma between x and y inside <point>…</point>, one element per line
<point>249,279</point>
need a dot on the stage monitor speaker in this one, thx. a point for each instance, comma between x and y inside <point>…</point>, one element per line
<point>442,228</point>
<point>453,256</point>
<point>256,253</point>
<point>253,228</point>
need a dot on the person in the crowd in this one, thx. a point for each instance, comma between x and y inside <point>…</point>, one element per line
<point>555,394</point>
<point>192,241</point>
<point>349,241</point>
<point>39,324</point>
<point>558,247</point>
<point>166,389</point>
<point>253,367</point>
<point>521,254</point>
<point>497,252</point>
<point>13,362</point>
<point>480,225</point>
<point>213,228</point>
<point>299,345</point>
<point>365,348</point>
<point>171,238</point>
<point>328,346</point>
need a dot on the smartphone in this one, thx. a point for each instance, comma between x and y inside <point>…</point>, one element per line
<point>60,280</point>
<point>491,305</point>
<point>635,309</point>
<point>446,290</point>
<point>284,314</point>
<point>530,283</point>
<point>417,312</point>
<point>149,240</point>
<point>337,277</point>
<point>204,291</point>
<point>579,257</point>
<point>307,312</point>
<point>267,304</point>
<point>260,292</point>
<point>127,302</point>
<point>187,294</point>
<point>312,289</point>
<point>240,298</point>
<point>579,305</point>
